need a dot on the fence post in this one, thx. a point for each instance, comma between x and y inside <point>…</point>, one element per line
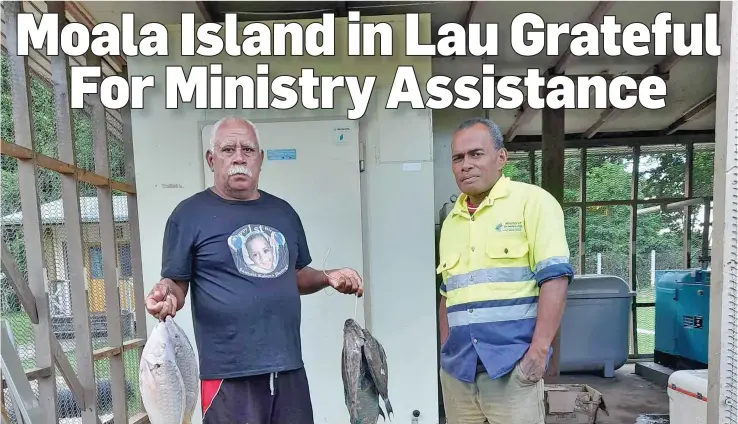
<point>599,263</point>
<point>653,268</point>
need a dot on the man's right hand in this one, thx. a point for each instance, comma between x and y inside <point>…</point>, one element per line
<point>161,301</point>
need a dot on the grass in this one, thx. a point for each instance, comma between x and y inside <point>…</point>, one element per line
<point>20,325</point>
<point>645,321</point>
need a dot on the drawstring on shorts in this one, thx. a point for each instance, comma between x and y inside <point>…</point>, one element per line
<point>271,382</point>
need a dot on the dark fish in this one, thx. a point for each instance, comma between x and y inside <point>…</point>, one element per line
<point>377,359</point>
<point>360,389</point>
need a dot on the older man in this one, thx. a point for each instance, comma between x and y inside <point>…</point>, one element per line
<point>243,254</point>
<point>505,267</point>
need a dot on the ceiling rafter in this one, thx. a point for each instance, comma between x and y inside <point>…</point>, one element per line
<point>205,11</point>
<point>663,67</point>
<point>691,113</point>
<point>527,113</point>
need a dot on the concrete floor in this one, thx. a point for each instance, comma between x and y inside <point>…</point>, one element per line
<point>629,398</point>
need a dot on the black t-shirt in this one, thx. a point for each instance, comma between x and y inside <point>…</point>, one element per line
<point>241,259</point>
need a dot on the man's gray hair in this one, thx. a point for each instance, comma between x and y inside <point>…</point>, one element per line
<point>216,127</point>
<point>494,130</point>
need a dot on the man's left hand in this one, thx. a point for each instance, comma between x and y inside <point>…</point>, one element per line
<point>533,364</point>
<point>345,280</point>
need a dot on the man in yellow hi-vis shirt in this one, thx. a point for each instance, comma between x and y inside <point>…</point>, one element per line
<point>504,260</point>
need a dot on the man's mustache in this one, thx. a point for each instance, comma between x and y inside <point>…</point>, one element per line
<point>239,169</point>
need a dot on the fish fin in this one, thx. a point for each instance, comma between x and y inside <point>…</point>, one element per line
<point>388,407</point>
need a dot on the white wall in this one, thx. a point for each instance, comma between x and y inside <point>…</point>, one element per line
<point>398,200</point>
<point>444,123</point>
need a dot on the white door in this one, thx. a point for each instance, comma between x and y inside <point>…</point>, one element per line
<point>314,165</point>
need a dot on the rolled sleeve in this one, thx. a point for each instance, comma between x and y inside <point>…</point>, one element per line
<point>547,238</point>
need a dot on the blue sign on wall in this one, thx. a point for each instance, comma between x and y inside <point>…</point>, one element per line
<point>282,154</point>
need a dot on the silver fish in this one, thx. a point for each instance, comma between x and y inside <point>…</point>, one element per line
<point>360,390</point>
<point>184,355</point>
<point>377,360</point>
<point>160,381</point>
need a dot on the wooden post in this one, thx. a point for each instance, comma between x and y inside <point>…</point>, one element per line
<point>632,263</point>
<point>722,402</point>
<point>687,211</point>
<point>73,227</point>
<point>136,261</point>
<point>552,180</point>
<point>28,184</point>
<point>583,212</point>
<point>107,242</point>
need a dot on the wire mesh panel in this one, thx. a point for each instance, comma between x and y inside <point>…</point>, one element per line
<point>517,167</point>
<point>661,171</point>
<point>702,171</point>
<point>571,223</point>
<point>10,306</point>
<point>609,174</point>
<point>127,302</point>
<point>645,327</point>
<point>572,175</point>
<point>65,313</point>
<point>659,246</point>
<point>608,240</point>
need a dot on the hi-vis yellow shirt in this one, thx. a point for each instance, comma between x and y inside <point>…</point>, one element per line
<point>493,264</point>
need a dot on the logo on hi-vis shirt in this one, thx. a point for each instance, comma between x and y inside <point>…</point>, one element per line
<point>259,251</point>
<point>509,227</point>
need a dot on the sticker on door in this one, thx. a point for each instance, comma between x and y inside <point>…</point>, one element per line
<point>340,134</point>
<point>282,154</point>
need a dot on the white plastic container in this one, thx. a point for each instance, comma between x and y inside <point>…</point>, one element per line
<point>688,397</point>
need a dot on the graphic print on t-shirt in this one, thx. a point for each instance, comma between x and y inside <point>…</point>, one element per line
<point>259,251</point>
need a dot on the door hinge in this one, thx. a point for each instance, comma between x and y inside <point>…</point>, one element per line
<point>362,156</point>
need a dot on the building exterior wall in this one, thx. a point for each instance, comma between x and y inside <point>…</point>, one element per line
<point>55,258</point>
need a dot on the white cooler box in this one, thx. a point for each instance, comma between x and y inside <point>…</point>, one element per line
<point>688,397</point>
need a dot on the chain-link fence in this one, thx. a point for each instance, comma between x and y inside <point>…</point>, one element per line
<point>56,253</point>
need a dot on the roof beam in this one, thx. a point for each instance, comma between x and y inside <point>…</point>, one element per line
<point>527,113</point>
<point>205,11</point>
<point>690,114</point>
<point>341,9</point>
<point>469,14</point>
<point>641,138</point>
<point>611,112</point>
<point>597,14</point>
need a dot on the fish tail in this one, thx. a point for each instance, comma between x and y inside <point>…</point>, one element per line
<point>382,414</point>
<point>388,407</point>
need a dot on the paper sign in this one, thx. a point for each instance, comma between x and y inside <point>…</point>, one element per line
<point>411,166</point>
<point>282,154</point>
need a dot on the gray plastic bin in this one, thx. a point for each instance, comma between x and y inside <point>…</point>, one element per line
<point>595,325</point>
